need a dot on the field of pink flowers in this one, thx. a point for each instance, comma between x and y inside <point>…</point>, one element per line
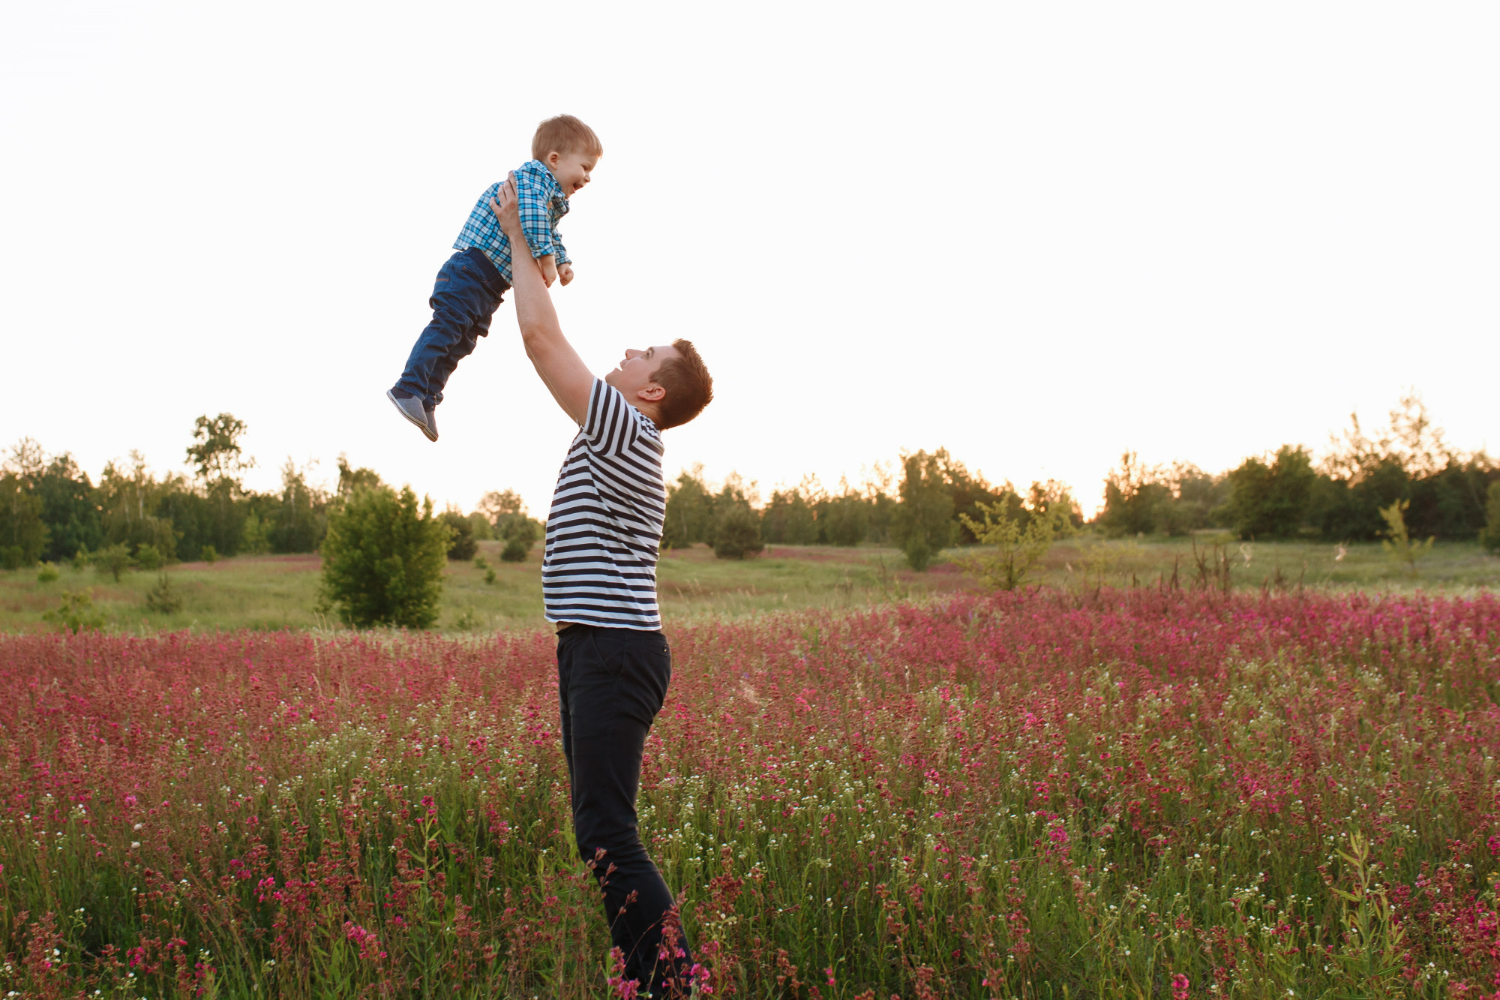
<point>1136,794</point>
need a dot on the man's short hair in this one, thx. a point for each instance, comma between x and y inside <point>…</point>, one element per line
<point>689,386</point>
<point>564,134</point>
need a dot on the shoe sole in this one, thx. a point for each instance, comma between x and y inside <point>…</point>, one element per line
<point>421,425</point>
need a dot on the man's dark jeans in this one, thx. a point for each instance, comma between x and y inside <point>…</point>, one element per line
<point>465,296</point>
<point>610,684</point>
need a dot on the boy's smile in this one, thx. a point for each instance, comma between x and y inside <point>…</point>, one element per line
<point>571,170</point>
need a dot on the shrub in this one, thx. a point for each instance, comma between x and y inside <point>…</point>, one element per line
<point>515,550</point>
<point>461,532</point>
<point>162,598</point>
<point>209,554</point>
<point>1398,544</point>
<point>1014,550</point>
<point>737,533</point>
<point>383,559</point>
<point>48,573</point>
<point>150,558</point>
<point>75,612</point>
<point>113,559</point>
<point>1490,536</point>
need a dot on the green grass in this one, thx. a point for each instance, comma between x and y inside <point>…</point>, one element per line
<point>276,592</point>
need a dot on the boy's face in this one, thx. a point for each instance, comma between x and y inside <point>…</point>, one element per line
<point>571,170</point>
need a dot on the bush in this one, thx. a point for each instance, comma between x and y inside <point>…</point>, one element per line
<point>1014,550</point>
<point>48,573</point>
<point>162,598</point>
<point>75,612</point>
<point>149,558</point>
<point>516,550</point>
<point>383,559</point>
<point>737,533</point>
<point>461,530</point>
<point>209,554</point>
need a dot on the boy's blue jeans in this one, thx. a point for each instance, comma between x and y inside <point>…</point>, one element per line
<point>465,296</point>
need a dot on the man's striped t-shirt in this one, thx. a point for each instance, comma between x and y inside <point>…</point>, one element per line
<point>604,529</point>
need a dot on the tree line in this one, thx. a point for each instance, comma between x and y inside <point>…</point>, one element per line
<point>937,502</point>
<point>52,511</point>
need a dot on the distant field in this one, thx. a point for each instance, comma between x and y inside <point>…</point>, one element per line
<point>277,592</point>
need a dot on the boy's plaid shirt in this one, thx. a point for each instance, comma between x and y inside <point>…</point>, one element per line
<point>541,203</point>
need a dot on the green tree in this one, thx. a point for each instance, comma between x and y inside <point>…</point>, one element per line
<point>70,508</point>
<point>1134,495</point>
<point>216,450</point>
<point>114,559</point>
<point>1491,534</point>
<point>1272,500</point>
<point>383,559</point>
<point>351,480</point>
<point>923,521</point>
<point>23,534</point>
<point>844,519</point>
<point>462,545</point>
<point>299,521</point>
<point>737,532</point>
<point>790,517</point>
<point>690,511</point>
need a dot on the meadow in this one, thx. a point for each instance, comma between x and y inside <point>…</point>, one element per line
<point>1098,793</point>
<point>279,592</point>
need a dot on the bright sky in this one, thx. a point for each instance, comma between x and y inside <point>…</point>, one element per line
<point>1035,234</point>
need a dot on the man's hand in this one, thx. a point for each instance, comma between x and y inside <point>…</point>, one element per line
<point>565,273</point>
<point>548,264</point>
<point>508,211</point>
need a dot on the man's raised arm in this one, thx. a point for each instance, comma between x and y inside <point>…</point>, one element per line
<point>560,367</point>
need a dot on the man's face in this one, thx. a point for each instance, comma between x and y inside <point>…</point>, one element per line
<point>571,170</point>
<point>634,371</point>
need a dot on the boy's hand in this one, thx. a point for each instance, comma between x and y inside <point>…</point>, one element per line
<point>565,273</point>
<point>549,269</point>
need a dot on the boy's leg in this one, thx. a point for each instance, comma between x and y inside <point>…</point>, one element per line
<point>611,684</point>
<point>462,301</point>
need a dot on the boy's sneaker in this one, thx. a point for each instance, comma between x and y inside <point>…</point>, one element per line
<point>410,407</point>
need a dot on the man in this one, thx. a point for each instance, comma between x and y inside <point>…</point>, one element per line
<point>599,586</point>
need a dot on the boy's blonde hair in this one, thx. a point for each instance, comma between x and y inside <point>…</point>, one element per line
<point>564,134</point>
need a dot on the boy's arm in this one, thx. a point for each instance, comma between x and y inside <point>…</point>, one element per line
<point>555,360</point>
<point>536,221</point>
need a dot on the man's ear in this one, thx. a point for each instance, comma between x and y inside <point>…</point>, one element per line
<point>651,393</point>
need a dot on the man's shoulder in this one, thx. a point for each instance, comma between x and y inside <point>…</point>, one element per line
<point>605,401</point>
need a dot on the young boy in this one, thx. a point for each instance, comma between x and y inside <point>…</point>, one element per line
<point>469,287</point>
